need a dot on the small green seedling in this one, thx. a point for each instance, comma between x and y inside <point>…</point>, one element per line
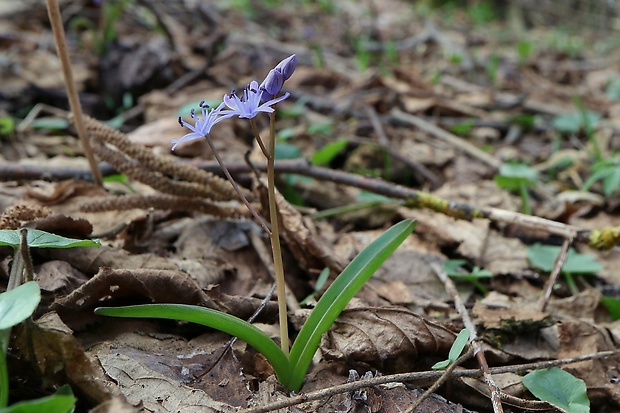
<point>612,304</point>
<point>320,283</point>
<point>454,270</point>
<point>328,152</point>
<point>543,257</point>
<point>19,303</point>
<point>290,370</point>
<point>455,351</point>
<point>559,388</point>
<point>607,171</point>
<point>7,126</point>
<point>518,177</point>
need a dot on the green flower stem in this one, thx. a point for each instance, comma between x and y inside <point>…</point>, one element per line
<point>278,266</point>
<point>260,142</point>
<point>571,284</point>
<point>4,381</point>
<point>525,199</point>
<point>219,160</point>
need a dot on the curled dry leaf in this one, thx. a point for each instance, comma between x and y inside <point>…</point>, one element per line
<point>391,339</point>
<point>158,286</point>
<point>54,355</point>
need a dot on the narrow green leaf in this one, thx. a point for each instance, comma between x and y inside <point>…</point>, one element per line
<point>42,239</point>
<point>328,152</point>
<point>211,318</point>
<point>613,306</point>
<point>559,388</point>
<point>455,351</point>
<point>50,404</point>
<point>544,256</point>
<point>338,295</point>
<point>18,304</point>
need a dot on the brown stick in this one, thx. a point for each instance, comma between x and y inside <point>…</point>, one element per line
<point>496,400</point>
<point>61,46</point>
<point>417,376</point>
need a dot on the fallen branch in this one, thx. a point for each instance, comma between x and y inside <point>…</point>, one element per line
<point>417,376</point>
<point>603,238</point>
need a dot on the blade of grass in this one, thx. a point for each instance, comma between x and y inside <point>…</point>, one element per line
<point>338,295</point>
<point>211,318</point>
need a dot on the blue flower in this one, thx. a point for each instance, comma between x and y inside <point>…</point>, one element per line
<point>202,125</point>
<point>249,105</point>
<point>287,66</point>
<point>272,83</point>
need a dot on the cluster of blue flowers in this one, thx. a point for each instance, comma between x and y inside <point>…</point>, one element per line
<point>256,98</point>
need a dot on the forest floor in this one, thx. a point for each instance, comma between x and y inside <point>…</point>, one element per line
<point>394,107</point>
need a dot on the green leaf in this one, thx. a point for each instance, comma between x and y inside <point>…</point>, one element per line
<point>463,128</point>
<point>613,306</point>
<point>455,350</point>
<point>543,257</point>
<point>513,176</point>
<point>573,122</point>
<point>287,151</point>
<point>328,152</point>
<point>559,388</point>
<point>50,123</point>
<point>50,404</point>
<point>338,295</point>
<point>42,239</point>
<point>218,320</point>
<point>18,304</point>
<point>7,125</point>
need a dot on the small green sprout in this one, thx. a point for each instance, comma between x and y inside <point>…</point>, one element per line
<point>543,257</point>
<point>518,177</point>
<point>328,152</point>
<point>607,171</point>
<point>320,283</point>
<point>454,270</point>
<point>455,351</point>
<point>19,302</point>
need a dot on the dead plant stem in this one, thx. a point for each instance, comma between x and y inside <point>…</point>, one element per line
<point>467,321</point>
<point>278,266</point>
<point>74,101</point>
<point>417,376</point>
<point>557,267</point>
<point>219,160</point>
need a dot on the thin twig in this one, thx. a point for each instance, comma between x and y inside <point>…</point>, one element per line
<point>417,376</point>
<point>444,377</point>
<point>557,267</point>
<point>467,321</point>
<point>250,208</point>
<point>74,101</point>
<point>604,238</point>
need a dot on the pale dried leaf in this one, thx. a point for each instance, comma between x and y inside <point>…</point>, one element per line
<point>389,338</point>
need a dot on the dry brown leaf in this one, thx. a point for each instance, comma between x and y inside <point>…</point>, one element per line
<point>391,339</point>
<point>510,314</point>
<point>115,405</point>
<point>578,337</point>
<point>56,356</point>
<point>156,392</point>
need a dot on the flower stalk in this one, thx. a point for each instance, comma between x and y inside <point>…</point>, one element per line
<point>254,100</point>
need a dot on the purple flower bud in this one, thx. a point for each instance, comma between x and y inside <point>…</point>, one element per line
<point>287,66</point>
<point>273,82</point>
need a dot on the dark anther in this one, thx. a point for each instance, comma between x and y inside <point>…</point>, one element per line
<point>181,121</point>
